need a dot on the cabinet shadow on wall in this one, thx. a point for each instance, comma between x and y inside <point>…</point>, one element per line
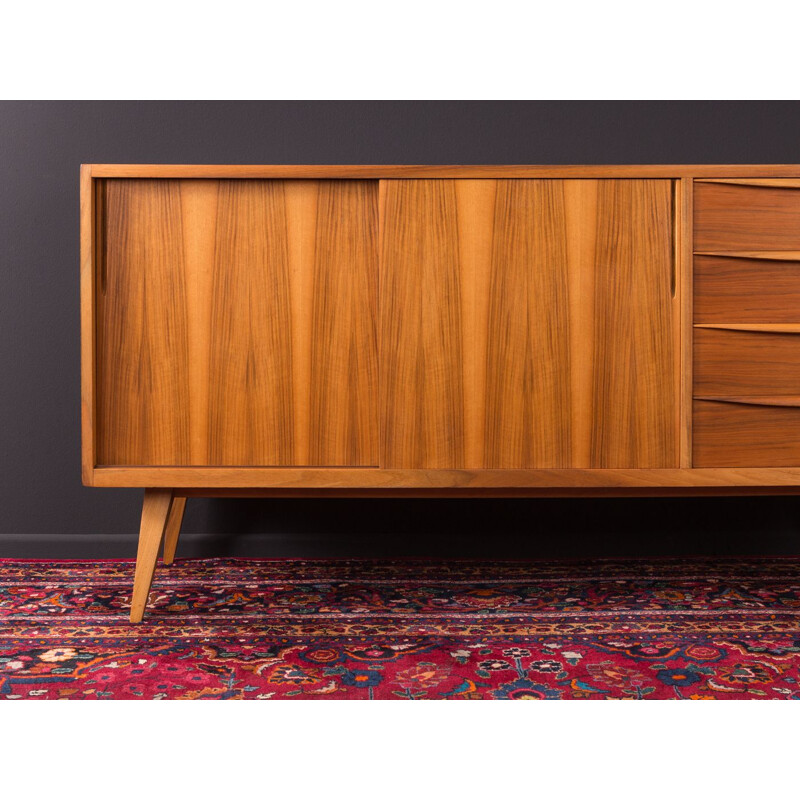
<point>491,528</point>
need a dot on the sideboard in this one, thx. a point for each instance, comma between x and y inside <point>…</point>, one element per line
<point>436,331</point>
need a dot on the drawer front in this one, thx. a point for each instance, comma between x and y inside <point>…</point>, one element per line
<point>744,217</point>
<point>731,362</point>
<point>745,435</point>
<point>746,290</point>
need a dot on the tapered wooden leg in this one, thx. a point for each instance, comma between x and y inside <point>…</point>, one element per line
<point>173,530</point>
<point>155,511</point>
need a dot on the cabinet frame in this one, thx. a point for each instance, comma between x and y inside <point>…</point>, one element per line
<point>368,481</point>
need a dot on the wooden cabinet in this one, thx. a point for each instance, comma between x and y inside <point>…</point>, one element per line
<point>437,331</point>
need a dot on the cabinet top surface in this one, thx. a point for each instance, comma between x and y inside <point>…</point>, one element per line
<point>377,171</point>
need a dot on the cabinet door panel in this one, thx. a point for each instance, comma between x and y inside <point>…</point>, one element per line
<point>142,330</point>
<point>527,324</point>
<point>248,307</point>
<point>527,417</point>
<point>421,339</point>
<point>635,371</point>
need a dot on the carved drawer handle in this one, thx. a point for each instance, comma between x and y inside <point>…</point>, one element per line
<point>790,401</point>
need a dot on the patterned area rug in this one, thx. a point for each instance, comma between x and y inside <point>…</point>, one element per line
<point>346,629</point>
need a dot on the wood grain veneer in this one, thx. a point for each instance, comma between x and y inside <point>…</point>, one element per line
<point>745,434</point>
<point>734,362</point>
<point>507,338</point>
<point>781,183</point>
<point>384,171</point>
<point>142,332</point>
<point>762,327</point>
<point>477,247</point>
<point>684,199</point>
<point>238,323</point>
<point>88,314</point>
<point>763,255</point>
<point>788,400</point>
<point>636,375</point>
<point>293,481</point>
<point>746,290</point>
<point>746,217</point>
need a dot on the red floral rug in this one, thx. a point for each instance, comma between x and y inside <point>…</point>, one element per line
<point>351,629</point>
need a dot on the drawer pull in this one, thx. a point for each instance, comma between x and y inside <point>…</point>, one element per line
<point>772,183</point>
<point>790,401</point>
<point>755,327</point>
<point>760,255</point>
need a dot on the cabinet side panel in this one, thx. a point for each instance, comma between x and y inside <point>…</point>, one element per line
<point>421,381</point>
<point>89,215</point>
<point>634,385</point>
<point>142,380</point>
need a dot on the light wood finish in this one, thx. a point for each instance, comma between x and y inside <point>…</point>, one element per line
<point>745,217</point>
<point>92,266</point>
<point>683,489</point>
<point>745,434</point>
<point>88,325</point>
<point>173,529</point>
<point>755,327</point>
<point>526,391</point>
<point>155,510</point>
<point>788,400</point>
<point>746,290</point>
<point>422,395</point>
<point>635,369</point>
<point>384,171</point>
<point>142,345</point>
<point>237,325</point>
<point>746,362</point>
<point>684,194</point>
<point>763,255</point>
<point>288,481</point>
<point>343,351</point>
<point>578,372</point>
<point>781,183</point>
<point>251,400</point>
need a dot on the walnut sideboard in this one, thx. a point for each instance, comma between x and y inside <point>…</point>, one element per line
<point>437,331</point>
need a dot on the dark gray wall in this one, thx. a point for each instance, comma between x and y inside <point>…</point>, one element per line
<point>44,510</point>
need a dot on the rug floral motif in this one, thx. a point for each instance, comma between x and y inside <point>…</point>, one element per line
<point>222,629</point>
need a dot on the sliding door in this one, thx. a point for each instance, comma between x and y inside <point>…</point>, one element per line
<point>527,324</point>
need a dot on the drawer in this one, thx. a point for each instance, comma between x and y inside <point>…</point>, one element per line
<point>731,362</point>
<point>745,435</point>
<point>731,216</point>
<point>746,289</point>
